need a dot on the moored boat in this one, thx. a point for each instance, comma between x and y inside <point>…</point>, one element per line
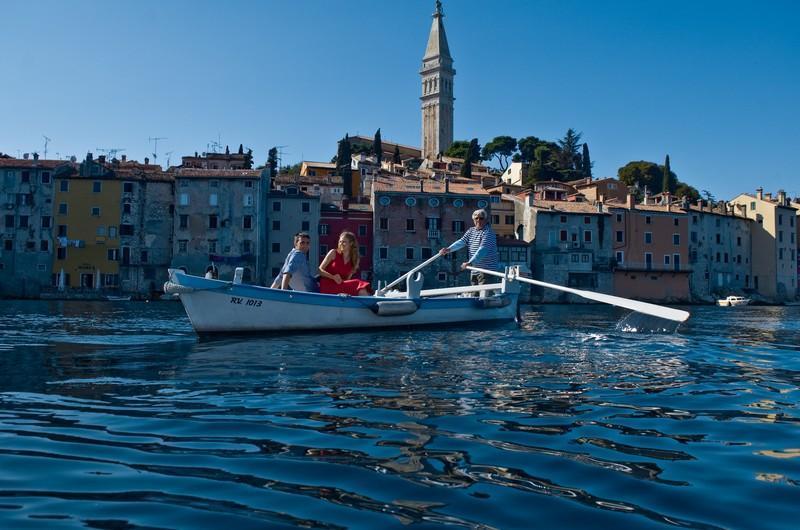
<point>732,301</point>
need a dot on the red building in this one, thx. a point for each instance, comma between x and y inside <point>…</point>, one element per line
<point>355,218</point>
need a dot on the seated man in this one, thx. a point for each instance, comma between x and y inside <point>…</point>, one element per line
<point>295,273</point>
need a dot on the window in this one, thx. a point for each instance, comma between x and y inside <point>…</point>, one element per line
<point>780,218</point>
<point>563,218</point>
<point>213,199</point>
<point>276,247</point>
<point>248,183</point>
<point>63,185</point>
<point>362,230</point>
<point>562,235</point>
<point>441,276</point>
<point>247,222</point>
<point>648,260</point>
<point>45,177</point>
<point>305,207</point>
<point>719,257</point>
<point>127,187</point>
<point>143,255</point>
<point>62,208</point>
<point>494,198</point>
<point>23,221</point>
<point>676,239</point>
<point>112,254</point>
<point>574,258</point>
<point>509,219</point>
<point>409,225</point>
<point>694,219</point>
<point>619,217</point>
<point>410,253</point>
<point>9,221</point>
<point>26,176</point>
<point>213,183</point>
<point>383,223</point>
<point>693,237</point>
<point>648,237</point>
<point>587,236</point>
<point>648,220</point>
<point>495,219</point>
<point>182,245</point>
<point>383,253</point>
<point>305,226</point>
<point>276,225</point>
<point>584,258</point>
<point>725,257</point>
<point>458,227</point>
<point>323,229</point>
<point>620,257</point>
<point>184,183</point>
<point>676,262</point>
<point>97,186</point>
<point>112,232</point>
<point>676,222</point>
<point>276,206</point>
<point>666,259</point>
<point>126,230</point>
<point>323,250</point>
<point>183,221</point>
<point>425,253</point>
<point>44,245</point>
<point>247,199</point>
<point>95,211</point>
<point>362,250</point>
<point>620,236</point>
<point>212,246</point>
<point>213,221</point>
<point>62,230</point>
<point>587,220</point>
<point>780,236</point>
<point>126,208</point>
<point>8,244</point>
<point>46,221</point>
<point>738,241</point>
<point>101,231</point>
<point>183,199</point>
<point>61,253</point>
<point>247,246</point>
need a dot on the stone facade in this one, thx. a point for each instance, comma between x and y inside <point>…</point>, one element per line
<point>26,204</point>
<point>290,211</point>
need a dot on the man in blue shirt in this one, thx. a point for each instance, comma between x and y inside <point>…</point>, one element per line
<point>481,243</point>
<point>295,273</point>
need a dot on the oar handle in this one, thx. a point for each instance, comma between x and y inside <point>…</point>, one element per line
<point>412,271</point>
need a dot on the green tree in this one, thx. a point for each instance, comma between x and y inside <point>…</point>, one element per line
<point>396,156</point>
<point>248,158</point>
<point>472,155</point>
<point>272,161</point>
<point>586,162</point>
<point>377,146</point>
<point>344,159</point>
<point>642,174</point>
<point>501,148</point>
<point>241,149</point>
<point>527,149</point>
<point>458,149</point>
<point>569,156</point>
<point>667,184</point>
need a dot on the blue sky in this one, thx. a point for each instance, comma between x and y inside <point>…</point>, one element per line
<point>712,84</point>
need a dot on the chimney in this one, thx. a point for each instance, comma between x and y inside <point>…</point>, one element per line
<point>700,204</point>
<point>668,200</point>
<point>781,195</point>
<point>101,159</point>
<point>421,185</point>
<point>35,155</point>
<point>345,202</point>
<point>447,185</point>
<point>124,158</point>
<point>600,207</point>
<point>631,202</point>
<point>25,156</point>
<point>146,161</point>
<point>760,193</point>
<point>645,196</point>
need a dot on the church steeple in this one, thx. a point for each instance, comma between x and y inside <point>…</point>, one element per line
<point>437,90</point>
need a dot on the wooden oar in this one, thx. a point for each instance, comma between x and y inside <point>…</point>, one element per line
<point>412,271</point>
<point>634,305</point>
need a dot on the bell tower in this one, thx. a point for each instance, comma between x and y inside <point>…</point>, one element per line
<point>437,90</point>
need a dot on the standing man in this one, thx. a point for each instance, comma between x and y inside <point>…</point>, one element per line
<point>481,243</point>
<point>295,272</point>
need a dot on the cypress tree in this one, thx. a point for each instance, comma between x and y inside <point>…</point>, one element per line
<point>473,153</point>
<point>344,159</point>
<point>666,180</point>
<point>241,149</point>
<point>272,161</point>
<point>377,146</point>
<point>586,163</point>
<point>396,157</point>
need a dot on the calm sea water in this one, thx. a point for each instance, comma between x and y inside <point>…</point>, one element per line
<point>114,415</point>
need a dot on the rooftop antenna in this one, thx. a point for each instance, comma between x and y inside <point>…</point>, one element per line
<point>155,140</point>
<point>280,154</point>
<point>167,155</point>
<point>46,140</point>
<point>110,152</point>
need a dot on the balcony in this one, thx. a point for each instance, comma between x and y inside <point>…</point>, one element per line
<point>434,234</point>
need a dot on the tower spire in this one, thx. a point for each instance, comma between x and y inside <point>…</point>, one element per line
<point>437,90</point>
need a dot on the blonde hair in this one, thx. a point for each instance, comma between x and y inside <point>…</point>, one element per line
<point>354,257</point>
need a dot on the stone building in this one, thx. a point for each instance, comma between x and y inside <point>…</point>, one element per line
<point>437,91</point>
<point>571,245</point>
<point>774,233</point>
<point>290,211</point>
<point>221,220</point>
<point>414,218</point>
<point>26,202</point>
<point>719,251</point>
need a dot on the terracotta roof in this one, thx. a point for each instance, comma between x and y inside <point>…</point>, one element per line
<point>569,207</point>
<point>21,163</point>
<point>674,209</point>
<point>326,165</point>
<point>322,180</point>
<point>428,186</point>
<point>217,173</point>
<point>580,184</point>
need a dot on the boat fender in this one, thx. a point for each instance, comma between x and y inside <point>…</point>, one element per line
<point>176,288</point>
<point>389,308</point>
<point>493,302</point>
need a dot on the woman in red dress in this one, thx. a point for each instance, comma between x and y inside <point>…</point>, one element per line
<point>337,269</point>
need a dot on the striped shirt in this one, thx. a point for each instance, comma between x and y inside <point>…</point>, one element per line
<point>482,246</point>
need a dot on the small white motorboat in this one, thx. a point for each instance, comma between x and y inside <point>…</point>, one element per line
<point>732,301</point>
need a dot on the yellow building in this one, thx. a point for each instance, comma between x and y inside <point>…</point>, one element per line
<point>86,211</point>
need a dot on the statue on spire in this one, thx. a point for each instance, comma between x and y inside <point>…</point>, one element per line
<point>439,9</point>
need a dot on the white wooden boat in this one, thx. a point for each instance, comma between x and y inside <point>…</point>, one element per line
<point>216,306</point>
<point>732,301</point>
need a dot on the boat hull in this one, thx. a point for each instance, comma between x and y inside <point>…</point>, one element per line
<point>223,307</point>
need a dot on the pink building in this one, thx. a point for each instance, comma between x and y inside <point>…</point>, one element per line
<point>650,247</point>
<point>355,218</point>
